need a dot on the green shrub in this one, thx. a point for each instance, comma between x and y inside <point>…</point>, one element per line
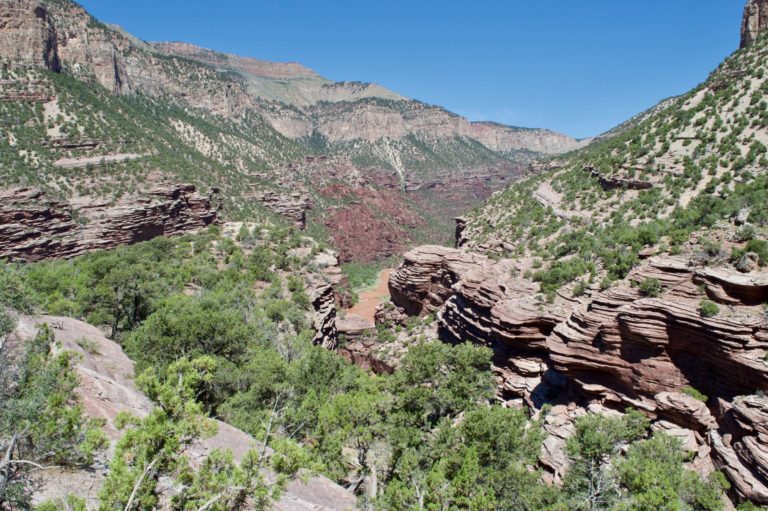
<point>581,288</point>
<point>759,247</point>
<point>386,335</point>
<point>650,287</point>
<point>708,309</point>
<point>561,273</point>
<point>7,323</point>
<point>746,233</point>
<point>361,275</point>
<point>40,408</point>
<point>695,394</point>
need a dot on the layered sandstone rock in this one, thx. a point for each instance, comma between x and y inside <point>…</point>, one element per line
<point>754,22</point>
<point>616,349</point>
<point>614,183</point>
<point>292,206</point>
<point>423,281</point>
<point>485,302</point>
<point>321,291</point>
<point>34,227</point>
<point>742,451</point>
<point>626,349</point>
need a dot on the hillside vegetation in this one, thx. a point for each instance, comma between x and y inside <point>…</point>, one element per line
<point>697,161</point>
<point>218,328</point>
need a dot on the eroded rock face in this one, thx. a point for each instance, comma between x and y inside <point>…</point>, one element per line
<point>294,207</point>
<point>423,281</point>
<point>27,33</point>
<point>322,295</point>
<point>34,227</point>
<point>742,451</point>
<point>755,21</point>
<point>483,301</point>
<point>616,349</point>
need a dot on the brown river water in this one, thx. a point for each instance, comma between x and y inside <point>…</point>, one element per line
<point>371,298</point>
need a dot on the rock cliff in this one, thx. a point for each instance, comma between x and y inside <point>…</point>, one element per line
<point>616,348</point>
<point>755,21</point>
<point>34,227</point>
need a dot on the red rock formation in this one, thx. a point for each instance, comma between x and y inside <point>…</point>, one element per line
<point>34,227</point>
<point>618,349</point>
<point>369,224</point>
<point>423,281</point>
<point>741,452</point>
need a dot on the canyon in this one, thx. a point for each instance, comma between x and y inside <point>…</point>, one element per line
<point>630,274</point>
<point>277,136</point>
<point>614,349</point>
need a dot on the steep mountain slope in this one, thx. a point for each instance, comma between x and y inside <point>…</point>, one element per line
<point>686,165</point>
<point>630,274</point>
<point>89,110</point>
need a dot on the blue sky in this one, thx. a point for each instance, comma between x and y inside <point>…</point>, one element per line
<point>577,66</point>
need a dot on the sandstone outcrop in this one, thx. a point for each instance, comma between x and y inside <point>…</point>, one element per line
<point>616,349</point>
<point>482,301</point>
<point>294,207</point>
<point>755,21</point>
<point>615,183</point>
<point>322,295</point>
<point>742,451</point>
<point>423,281</point>
<point>34,227</point>
<point>107,388</point>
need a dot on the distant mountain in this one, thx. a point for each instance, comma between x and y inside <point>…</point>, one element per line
<point>94,97</point>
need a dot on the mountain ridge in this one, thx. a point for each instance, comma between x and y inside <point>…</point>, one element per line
<point>246,126</point>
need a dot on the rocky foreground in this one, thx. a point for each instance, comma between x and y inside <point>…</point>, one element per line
<point>614,349</point>
<point>107,388</point>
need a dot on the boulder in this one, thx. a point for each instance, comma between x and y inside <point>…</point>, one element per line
<point>683,409</point>
<point>748,263</point>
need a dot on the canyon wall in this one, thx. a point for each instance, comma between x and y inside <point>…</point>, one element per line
<point>34,227</point>
<point>617,348</point>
